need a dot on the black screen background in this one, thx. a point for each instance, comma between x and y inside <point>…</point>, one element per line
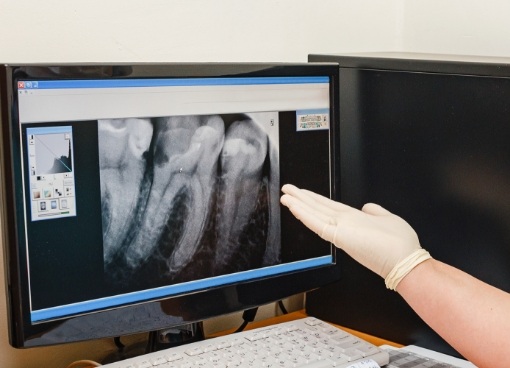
<point>66,254</point>
<point>305,162</point>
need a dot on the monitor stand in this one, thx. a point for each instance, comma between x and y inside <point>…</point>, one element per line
<point>158,340</point>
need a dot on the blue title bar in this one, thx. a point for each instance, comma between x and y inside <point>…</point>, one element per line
<point>167,82</point>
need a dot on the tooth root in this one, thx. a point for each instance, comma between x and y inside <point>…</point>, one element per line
<point>121,172</point>
<point>272,253</point>
<point>210,140</point>
<point>242,162</point>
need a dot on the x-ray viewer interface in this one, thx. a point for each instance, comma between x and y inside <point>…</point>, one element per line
<point>163,186</point>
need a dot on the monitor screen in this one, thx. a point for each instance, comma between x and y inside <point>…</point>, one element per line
<point>146,196</point>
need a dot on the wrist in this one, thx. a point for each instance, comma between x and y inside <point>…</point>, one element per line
<point>404,267</point>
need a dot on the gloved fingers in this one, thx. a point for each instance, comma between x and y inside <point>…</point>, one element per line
<point>314,219</point>
<point>309,207</point>
<point>327,202</point>
<point>306,210</point>
<point>328,228</point>
<point>323,204</point>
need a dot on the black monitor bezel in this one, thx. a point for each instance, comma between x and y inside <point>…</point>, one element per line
<point>178,310</point>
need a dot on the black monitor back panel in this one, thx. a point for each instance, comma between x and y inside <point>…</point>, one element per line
<point>426,136</point>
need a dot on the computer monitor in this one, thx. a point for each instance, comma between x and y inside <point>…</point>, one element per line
<point>143,197</point>
<point>426,136</point>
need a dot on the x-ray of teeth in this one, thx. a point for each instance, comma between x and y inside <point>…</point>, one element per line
<point>189,196</point>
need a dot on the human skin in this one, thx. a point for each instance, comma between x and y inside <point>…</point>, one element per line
<point>470,315</point>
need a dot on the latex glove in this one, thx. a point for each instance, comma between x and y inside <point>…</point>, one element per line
<point>376,238</point>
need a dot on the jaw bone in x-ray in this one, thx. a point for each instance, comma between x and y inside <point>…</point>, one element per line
<point>196,194</point>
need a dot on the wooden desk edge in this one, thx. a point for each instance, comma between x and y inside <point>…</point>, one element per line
<point>377,341</point>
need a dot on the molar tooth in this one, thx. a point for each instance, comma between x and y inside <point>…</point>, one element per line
<point>245,150</point>
<point>185,155</point>
<point>121,170</point>
<point>114,125</point>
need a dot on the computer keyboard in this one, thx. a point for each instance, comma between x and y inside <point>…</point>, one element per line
<point>402,359</point>
<point>307,342</point>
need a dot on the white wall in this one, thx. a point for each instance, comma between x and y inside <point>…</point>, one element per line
<point>191,30</point>
<point>179,30</point>
<point>469,27</point>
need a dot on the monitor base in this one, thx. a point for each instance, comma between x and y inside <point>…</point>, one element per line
<point>158,340</point>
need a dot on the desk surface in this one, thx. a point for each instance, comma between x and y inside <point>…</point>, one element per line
<point>301,314</point>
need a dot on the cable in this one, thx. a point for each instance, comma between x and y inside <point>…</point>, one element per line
<point>120,346</point>
<point>282,307</point>
<point>84,364</point>
<point>248,316</point>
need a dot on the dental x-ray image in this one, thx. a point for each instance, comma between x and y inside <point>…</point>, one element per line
<point>186,197</point>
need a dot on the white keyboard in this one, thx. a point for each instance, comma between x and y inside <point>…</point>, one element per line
<point>307,342</point>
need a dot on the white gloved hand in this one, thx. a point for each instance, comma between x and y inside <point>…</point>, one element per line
<point>376,238</point>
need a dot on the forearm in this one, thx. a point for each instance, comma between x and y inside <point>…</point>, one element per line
<point>472,316</point>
